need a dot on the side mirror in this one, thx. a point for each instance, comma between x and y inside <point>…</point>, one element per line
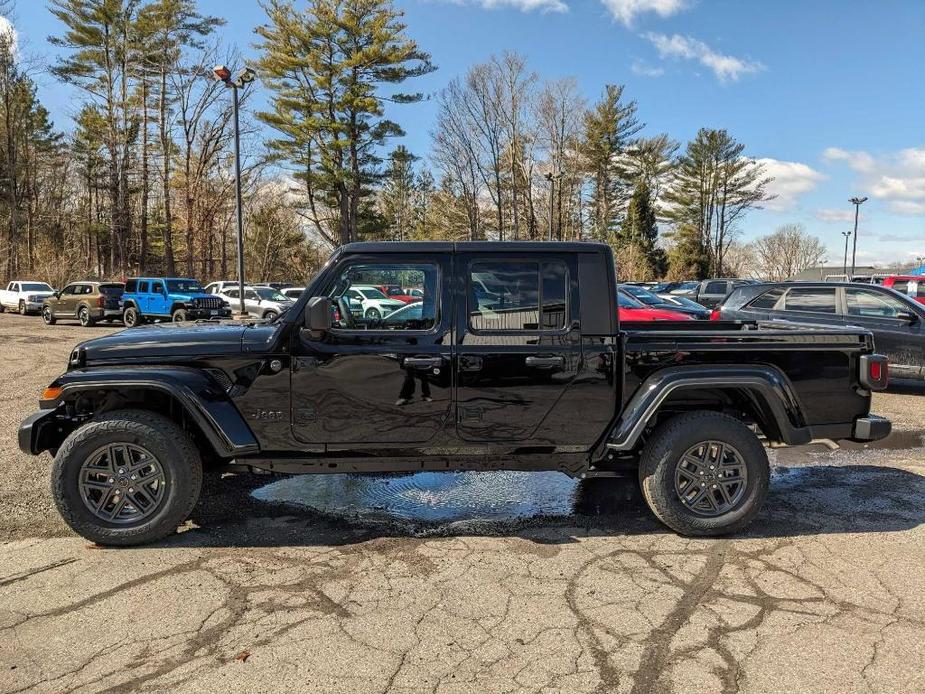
<point>907,316</point>
<point>317,317</point>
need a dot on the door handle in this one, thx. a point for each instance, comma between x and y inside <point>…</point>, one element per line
<point>470,363</point>
<point>545,362</point>
<point>423,362</point>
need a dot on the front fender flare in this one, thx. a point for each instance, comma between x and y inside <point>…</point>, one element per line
<point>768,387</point>
<point>200,396</point>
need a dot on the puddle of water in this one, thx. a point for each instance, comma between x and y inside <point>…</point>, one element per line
<point>431,497</point>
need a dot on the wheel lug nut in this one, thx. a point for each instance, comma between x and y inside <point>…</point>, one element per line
<point>111,480</point>
<point>703,484</point>
<point>712,467</point>
<point>131,490</point>
<point>121,470</point>
<point>701,472</point>
<point>133,477</point>
<point>714,486</point>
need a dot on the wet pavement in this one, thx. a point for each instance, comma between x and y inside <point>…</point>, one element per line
<point>469,582</point>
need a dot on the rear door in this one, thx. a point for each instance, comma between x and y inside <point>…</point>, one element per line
<point>518,345</point>
<point>902,340</point>
<point>374,383</point>
<point>817,305</point>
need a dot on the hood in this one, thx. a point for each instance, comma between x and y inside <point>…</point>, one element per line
<point>169,340</point>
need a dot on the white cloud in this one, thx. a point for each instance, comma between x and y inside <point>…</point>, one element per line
<point>897,178</point>
<point>828,214</point>
<point>525,5</point>
<point>726,67</point>
<point>791,180</point>
<point>626,11</point>
<point>641,67</point>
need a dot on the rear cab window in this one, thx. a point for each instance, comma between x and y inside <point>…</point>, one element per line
<point>716,288</point>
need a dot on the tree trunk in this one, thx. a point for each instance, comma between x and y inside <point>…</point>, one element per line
<point>143,230</point>
<point>169,264</point>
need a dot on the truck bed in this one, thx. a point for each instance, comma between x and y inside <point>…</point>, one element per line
<point>778,335</point>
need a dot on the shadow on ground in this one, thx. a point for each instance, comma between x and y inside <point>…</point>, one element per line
<point>344,509</point>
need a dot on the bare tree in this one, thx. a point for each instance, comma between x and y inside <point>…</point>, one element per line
<point>788,251</point>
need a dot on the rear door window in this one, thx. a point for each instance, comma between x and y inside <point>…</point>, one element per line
<point>143,286</point>
<point>811,300</point>
<point>517,296</point>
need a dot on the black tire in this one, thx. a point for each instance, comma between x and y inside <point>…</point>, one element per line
<point>131,317</point>
<point>48,315</point>
<point>22,308</point>
<point>373,314</point>
<point>83,315</point>
<point>2,308</point>
<point>179,315</point>
<point>662,457</point>
<point>174,451</point>
<point>270,315</point>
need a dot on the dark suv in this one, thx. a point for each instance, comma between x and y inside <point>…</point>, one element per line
<point>712,292</point>
<point>896,321</point>
<point>87,302</point>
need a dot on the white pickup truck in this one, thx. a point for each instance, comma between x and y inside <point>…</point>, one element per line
<point>25,296</point>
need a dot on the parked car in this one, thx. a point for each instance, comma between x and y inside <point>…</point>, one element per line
<point>567,388</point>
<point>896,321</point>
<point>273,285</point>
<point>654,301</point>
<point>675,301</point>
<point>711,292</point>
<point>630,308</point>
<point>263,302</point>
<point>25,296</point>
<point>687,289</point>
<point>292,292</point>
<point>87,302</point>
<point>220,287</point>
<point>172,298</point>
<point>373,303</point>
<point>404,294</point>
<point>912,286</point>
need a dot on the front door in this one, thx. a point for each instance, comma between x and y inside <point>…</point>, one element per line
<point>518,346</point>
<point>378,381</point>
<point>901,340</point>
<point>157,299</point>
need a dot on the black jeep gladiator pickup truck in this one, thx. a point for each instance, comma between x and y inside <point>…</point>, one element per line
<point>513,358</point>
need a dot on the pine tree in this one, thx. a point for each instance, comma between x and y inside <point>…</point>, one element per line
<point>398,191</point>
<point>326,66</point>
<point>608,131</point>
<point>640,229</point>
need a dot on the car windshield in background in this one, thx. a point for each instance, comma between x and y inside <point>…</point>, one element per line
<point>626,301</point>
<point>185,286</point>
<point>35,287</point>
<point>372,293</point>
<point>270,294</point>
<point>644,295</point>
<point>112,288</point>
<point>684,301</point>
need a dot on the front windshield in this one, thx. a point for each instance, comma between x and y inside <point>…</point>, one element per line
<point>270,294</point>
<point>184,286</point>
<point>371,293</point>
<point>35,287</point>
<point>626,301</point>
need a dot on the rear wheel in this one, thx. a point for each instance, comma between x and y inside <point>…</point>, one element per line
<point>126,478</point>
<point>48,315</point>
<point>131,317</point>
<point>704,473</point>
<point>83,315</point>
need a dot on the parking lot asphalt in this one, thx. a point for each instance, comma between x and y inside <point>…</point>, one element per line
<point>588,593</point>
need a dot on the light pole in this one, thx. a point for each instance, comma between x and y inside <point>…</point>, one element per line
<point>552,177</point>
<point>245,76</point>
<point>856,201</point>
<point>844,269</point>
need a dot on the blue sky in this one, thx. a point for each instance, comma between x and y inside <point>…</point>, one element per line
<point>830,93</point>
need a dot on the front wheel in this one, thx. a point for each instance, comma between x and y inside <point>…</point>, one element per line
<point>704,473</point>
<point>48,316</point>
<point>179,315</point>
<point>270,316</point>
<point>126,478</point>
<point>22,308</point>
<point>373,314</point>
<point>131,317</point>
<point>84,317</point>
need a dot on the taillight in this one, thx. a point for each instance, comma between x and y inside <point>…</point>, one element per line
<point>875,371</point>
<point>101,301</point>
<point>716,314</point>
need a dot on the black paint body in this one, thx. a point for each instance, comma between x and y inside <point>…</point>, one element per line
<point>278,397</point>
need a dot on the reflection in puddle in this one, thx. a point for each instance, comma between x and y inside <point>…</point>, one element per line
<point>447,497</point>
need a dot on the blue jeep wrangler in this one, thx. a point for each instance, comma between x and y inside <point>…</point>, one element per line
<point>151,298</point>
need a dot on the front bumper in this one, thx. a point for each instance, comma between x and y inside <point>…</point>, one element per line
<point>38,431</point>
<point>871,428</point>
<point>34,306</point>
<point>206,313</point>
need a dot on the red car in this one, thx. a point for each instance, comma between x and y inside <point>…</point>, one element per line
<point>631,309</point>
<point>912,286</point>
<point>403,294</point>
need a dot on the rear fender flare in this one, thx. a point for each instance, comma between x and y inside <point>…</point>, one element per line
<point>768,388</point>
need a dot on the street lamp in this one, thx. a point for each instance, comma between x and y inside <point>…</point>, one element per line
<point>552,177</point>
<point>245,76</point>
<point>856,201</point>
<point>844,270</point>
